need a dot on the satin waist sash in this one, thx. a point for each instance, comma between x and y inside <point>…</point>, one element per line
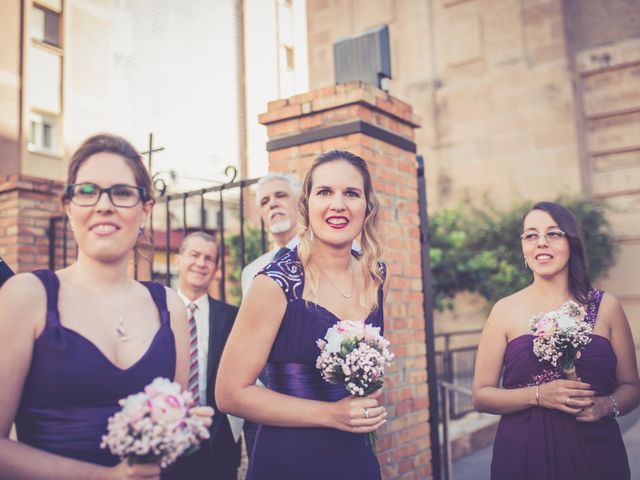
<point>71,432</point>
<point>302,380</point>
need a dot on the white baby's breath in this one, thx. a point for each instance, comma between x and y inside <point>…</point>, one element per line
<point>154,425</point>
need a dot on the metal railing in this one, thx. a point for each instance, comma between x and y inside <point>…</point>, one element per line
<point>455,367</point>
<point>446,390</point>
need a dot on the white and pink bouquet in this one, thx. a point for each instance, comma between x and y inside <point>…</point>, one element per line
<point>355,355</point>
<point>560,335</point>
<point>155,425</point>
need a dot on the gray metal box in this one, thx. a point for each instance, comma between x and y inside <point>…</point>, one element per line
<point>364,57</point>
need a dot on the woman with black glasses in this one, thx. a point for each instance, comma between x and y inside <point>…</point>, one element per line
<point>553,427</point>
<point>79,339</point>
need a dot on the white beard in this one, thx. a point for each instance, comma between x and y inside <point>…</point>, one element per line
<point>280,227</point>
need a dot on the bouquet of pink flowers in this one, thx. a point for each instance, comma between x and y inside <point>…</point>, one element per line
<point>155,425</point>
<point>355,355</point>
<point>559,336</point>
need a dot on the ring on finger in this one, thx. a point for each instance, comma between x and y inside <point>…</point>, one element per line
<point>567,402</point>
<point>366,413</point>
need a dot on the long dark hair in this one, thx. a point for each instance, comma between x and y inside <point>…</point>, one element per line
<point>579,281</point>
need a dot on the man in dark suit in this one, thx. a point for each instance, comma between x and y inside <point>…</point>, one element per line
<point>210,323</point>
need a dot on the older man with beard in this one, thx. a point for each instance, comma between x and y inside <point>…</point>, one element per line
<point>277,196</point>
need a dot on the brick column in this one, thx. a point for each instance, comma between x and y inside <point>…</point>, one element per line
<point>26,205</point>
<point>380,128</point>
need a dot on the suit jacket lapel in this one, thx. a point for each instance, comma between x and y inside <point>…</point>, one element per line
<point>216,333</point>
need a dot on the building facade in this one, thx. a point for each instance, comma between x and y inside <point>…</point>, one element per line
<point>519,100</point>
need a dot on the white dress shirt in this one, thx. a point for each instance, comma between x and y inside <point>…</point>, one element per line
<point>251,269</point>
<point>201,316</point>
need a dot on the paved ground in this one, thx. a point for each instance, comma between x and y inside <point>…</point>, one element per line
<point>476,466</point>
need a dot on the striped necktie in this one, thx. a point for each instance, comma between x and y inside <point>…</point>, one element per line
<point>193,386</point>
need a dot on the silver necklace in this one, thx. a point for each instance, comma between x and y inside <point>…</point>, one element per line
<point>353,277</point>
<point>121,331</point>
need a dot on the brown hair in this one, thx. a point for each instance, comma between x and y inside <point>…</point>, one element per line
<point>369,240</point>
<point>105,142</point>
<point>579,281</point>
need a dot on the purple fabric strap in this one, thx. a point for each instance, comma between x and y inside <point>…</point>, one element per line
<point>595,297</point>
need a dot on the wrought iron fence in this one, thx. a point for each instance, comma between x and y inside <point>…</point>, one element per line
<point>218,210</point>
<point>62,247</point>
<point>455,366</point>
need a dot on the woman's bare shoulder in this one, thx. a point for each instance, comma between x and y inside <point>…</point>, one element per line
<point>23,289</point>
<point>509,304</point>
<point>23,295</point>
<point>610,310</point>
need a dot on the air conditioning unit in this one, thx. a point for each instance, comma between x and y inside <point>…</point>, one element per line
<point>364,57</point>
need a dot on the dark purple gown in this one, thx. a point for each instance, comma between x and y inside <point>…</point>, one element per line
<point>306,453</point>
<point>540,443</point>
<point>72,388</point>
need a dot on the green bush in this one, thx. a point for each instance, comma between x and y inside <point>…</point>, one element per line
<point>252,250</point>
<point>478,250</point>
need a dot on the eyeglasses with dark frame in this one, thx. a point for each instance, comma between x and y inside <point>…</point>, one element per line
<point>551,236</point>
<point>88,194</point>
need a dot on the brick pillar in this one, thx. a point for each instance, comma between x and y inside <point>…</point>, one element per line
<point>380,128</point>
<point>26,205</point>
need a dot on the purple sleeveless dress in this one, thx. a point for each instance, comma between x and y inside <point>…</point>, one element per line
<point>306,453</point>
<point>540,443</point>
<point>72,388</point>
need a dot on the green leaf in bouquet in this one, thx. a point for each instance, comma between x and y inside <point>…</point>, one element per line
<point>348,346</point>
<point>142,459</point>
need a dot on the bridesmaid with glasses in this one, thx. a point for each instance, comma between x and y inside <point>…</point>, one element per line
<point>553,427</point>
<point>79,339</point>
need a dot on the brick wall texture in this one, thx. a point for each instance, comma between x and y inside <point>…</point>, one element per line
<point>26,205</point>
<point>403,448</point>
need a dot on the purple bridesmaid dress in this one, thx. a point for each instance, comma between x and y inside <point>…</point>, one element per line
<point>72,388</point>
<point>306,453</point>
<point>540,443</point>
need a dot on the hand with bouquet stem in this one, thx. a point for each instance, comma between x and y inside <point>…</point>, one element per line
<point>576,398</point>
<point>569,396</point>
<point>126,471</point>
<point>358,414</point>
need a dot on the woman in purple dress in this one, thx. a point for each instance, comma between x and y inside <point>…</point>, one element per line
<point>310,429</point>
<point>554,428</point>
<point>77,340</point>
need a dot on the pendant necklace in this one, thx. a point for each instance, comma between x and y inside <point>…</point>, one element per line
<point>121,331</point>
<point>353,277</point>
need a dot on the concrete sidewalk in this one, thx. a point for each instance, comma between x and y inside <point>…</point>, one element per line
<point>477,465</point>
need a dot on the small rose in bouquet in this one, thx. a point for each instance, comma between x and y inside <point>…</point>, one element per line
<point>155,425</point>
<point>355,355</point>
<point>560,335</point>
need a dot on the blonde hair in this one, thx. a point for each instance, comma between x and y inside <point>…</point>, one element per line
<point>369,239</point>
